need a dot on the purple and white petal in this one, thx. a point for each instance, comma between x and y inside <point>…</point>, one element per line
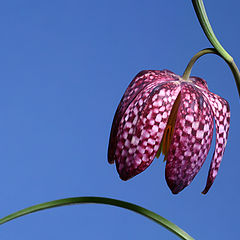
<point>199,82</point>
<point>191,138</point>
<point>141,128</point>
<point>221,111</point>
<point>138,84</point>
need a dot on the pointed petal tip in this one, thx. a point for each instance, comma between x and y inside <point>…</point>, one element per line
<point>174,186</point>
<point>175,193</point>
<point>206,189</point>
<point>124,176</point>
<point>111,161</point>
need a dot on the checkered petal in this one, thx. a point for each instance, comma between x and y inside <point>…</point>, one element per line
<point>199,82</point>
<point>221,111</point>
<point>141,128</point>
<point>191,138</point>
<point>138,84</point>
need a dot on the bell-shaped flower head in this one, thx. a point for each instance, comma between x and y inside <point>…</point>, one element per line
<point>161,112</point>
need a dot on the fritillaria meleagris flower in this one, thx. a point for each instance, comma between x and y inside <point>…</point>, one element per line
<point>161,112</point>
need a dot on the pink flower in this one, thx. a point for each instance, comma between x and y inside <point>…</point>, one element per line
<point>161,112</point>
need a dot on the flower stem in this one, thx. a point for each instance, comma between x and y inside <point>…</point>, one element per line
<point>236,74</point>
<point>188,69</point>
<point>101,200</point>
<point>203,19</point>
<point>206,26</point>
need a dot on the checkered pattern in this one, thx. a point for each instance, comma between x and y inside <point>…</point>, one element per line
<point>138,84</point>
<point>141,118</point>
<point>191,138</point>
<point>199,82</point>
<point>142,127</point>
<point>221,111</point>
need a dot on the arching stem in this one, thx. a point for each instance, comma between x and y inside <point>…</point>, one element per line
<point>206,26</point>
<point>188,69</point>
<point>101,200</point>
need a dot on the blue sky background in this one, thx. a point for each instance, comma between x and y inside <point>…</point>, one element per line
<point>64,66</point>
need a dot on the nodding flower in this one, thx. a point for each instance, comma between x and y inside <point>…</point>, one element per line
<point>162,113</point>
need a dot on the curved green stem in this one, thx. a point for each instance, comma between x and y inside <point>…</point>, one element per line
<point>101,200</point>
<point>203,19</point>
<point>188,69</point>
<point>206,26</point>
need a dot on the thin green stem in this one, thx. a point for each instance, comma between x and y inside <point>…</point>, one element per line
<point>101,200</point>
<point>236,74</point>
<point>203,19</point>
<point>206,26</point>
<point>188,69</point>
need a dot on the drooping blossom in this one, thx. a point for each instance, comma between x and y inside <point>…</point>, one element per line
<point>161,112</point>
